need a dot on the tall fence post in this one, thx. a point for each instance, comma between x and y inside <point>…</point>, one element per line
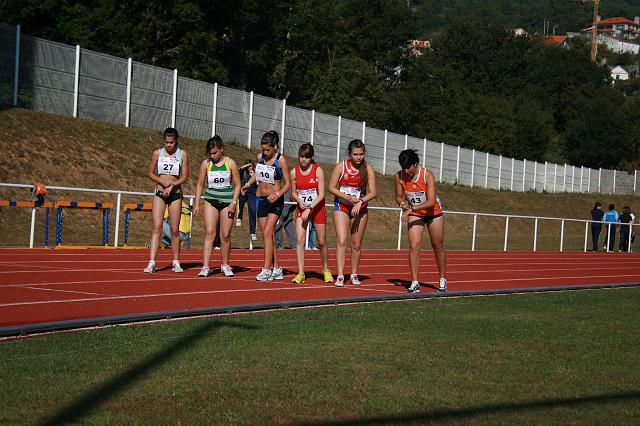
<point>586,234</point>
<point>284,117</point>
<point>500,174</point>
<point>535,174</point>
<point>175,98</point>
<point>513,165</point>
<point>424,152</point>
<point>564,179</point>
<point>117,228</point>
<point>473,165</point>
<point>338,144</point>
<point>600,180</point>
<point>384,153</point>
<point>127,112</point>
<point>573,178</point>
<point>614,182</point>
<point>546,167</point>
<point>581,177</point>
<point>313,123</point>
<point>458,165</point>
<point>635,179</point>
<point>364,128</point>
<point>486,171</point>
<point>16,72</point>
<point>406,141</point>
<point>561,235</point>
<point>589,182</point>
<point>76,82</point>
<point>555,177</point>
<point>250,120</point>
<point>441,159</point>
<point>524,174</point>
<point>535,234</point>
<point>214,113</point>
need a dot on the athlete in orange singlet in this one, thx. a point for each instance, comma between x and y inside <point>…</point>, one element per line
<point>416,195</point>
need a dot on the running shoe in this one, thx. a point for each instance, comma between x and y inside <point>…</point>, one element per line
<point>298,279</point>
<point>443,284</point>
<point>151,267</point>
<point>414,287</point>
<point>264,275</point>
<point>326,275</point>
<point>354,279</point>
<point>254,237</point>
<point>204,272</point>
<point>226,269</point>
<point>176,266</point>
<point>340,281</point>
<point>276,274</point>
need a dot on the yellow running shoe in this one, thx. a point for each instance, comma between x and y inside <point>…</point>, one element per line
<point>298,279</point>
<point>328,278</point>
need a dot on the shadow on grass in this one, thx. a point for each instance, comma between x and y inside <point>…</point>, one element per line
<point>94,398</point>
<point>466,414</point>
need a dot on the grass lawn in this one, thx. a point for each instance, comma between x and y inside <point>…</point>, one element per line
<point>553,358</point>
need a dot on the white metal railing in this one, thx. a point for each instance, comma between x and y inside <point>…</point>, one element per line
<point>475,216</point>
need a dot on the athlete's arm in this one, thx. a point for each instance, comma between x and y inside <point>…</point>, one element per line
<point>371,185</point>
<point>294,190</point>
<point>400,198</point>
<point>235,176</point>
<point>184,175</point>
<point>201,175</point>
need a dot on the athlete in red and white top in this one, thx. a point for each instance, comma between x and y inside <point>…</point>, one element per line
<point>307,189</point>
<point>353,183</point>
<point>416,195</point>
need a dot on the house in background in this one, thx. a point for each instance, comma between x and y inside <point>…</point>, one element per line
<point>619,27</point>
<point>559,40</point>
<point>626,72</point>
<point>414,47</point>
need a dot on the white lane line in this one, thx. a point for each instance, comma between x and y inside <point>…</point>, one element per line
<point>145,296</point>
<point>68,291</point>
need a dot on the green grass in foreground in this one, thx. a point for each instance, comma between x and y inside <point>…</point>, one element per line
<point>552,358</point>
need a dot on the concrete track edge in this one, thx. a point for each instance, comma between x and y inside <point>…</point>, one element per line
<point>70,325</point>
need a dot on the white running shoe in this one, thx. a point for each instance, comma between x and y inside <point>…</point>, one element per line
<point>151,267</point>
<point>264,275</point>
<point>204,272</point>
<point>238,222</point>
<point>340,281</point>
<point>254,237</point>
<point>354,279</point>
<point>443,284</point>
<point>276,274</point>
<point>176,266</point>
<point>226,269</point>
<point>414,287</point>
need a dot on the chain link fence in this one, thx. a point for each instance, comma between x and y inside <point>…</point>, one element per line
<point>67,80</point>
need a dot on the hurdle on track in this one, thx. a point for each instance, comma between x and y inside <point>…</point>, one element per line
<point>32,205</point>
<point>106,210</point>
<point>141,207</point>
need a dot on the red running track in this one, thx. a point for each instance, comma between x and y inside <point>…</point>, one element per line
<point>43,285</point>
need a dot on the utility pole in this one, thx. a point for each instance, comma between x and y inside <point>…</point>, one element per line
<point>594,34</point>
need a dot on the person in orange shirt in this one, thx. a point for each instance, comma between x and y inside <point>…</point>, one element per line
<point>416,196</point>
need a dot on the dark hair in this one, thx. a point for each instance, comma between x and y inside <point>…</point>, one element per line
<point>408,158</point>
<point>598,204</point>
<point>270,138</point>
<point>171,132</point>
<point>249,161</point>
<point>612,206</point>
<point>306,151</point>
<point>214,142</point>
<point>362,171</point>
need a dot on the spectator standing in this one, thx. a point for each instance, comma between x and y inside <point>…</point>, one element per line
<point>596,226</point>
<point>611,218</point>
<point>626,220</point>
<point>286,223</point>
<point>248,198</point>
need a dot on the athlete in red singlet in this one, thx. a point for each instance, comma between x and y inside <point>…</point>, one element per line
<point>307,189</point>
<point>353,184</point>
<point>416,195</point>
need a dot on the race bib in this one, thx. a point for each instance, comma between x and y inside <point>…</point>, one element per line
<point>265,173</point>
<point>416,198</point>
<point>219,179</point>
<point>350,190</point>
<point>307,196</point>
<point>168,166</point>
